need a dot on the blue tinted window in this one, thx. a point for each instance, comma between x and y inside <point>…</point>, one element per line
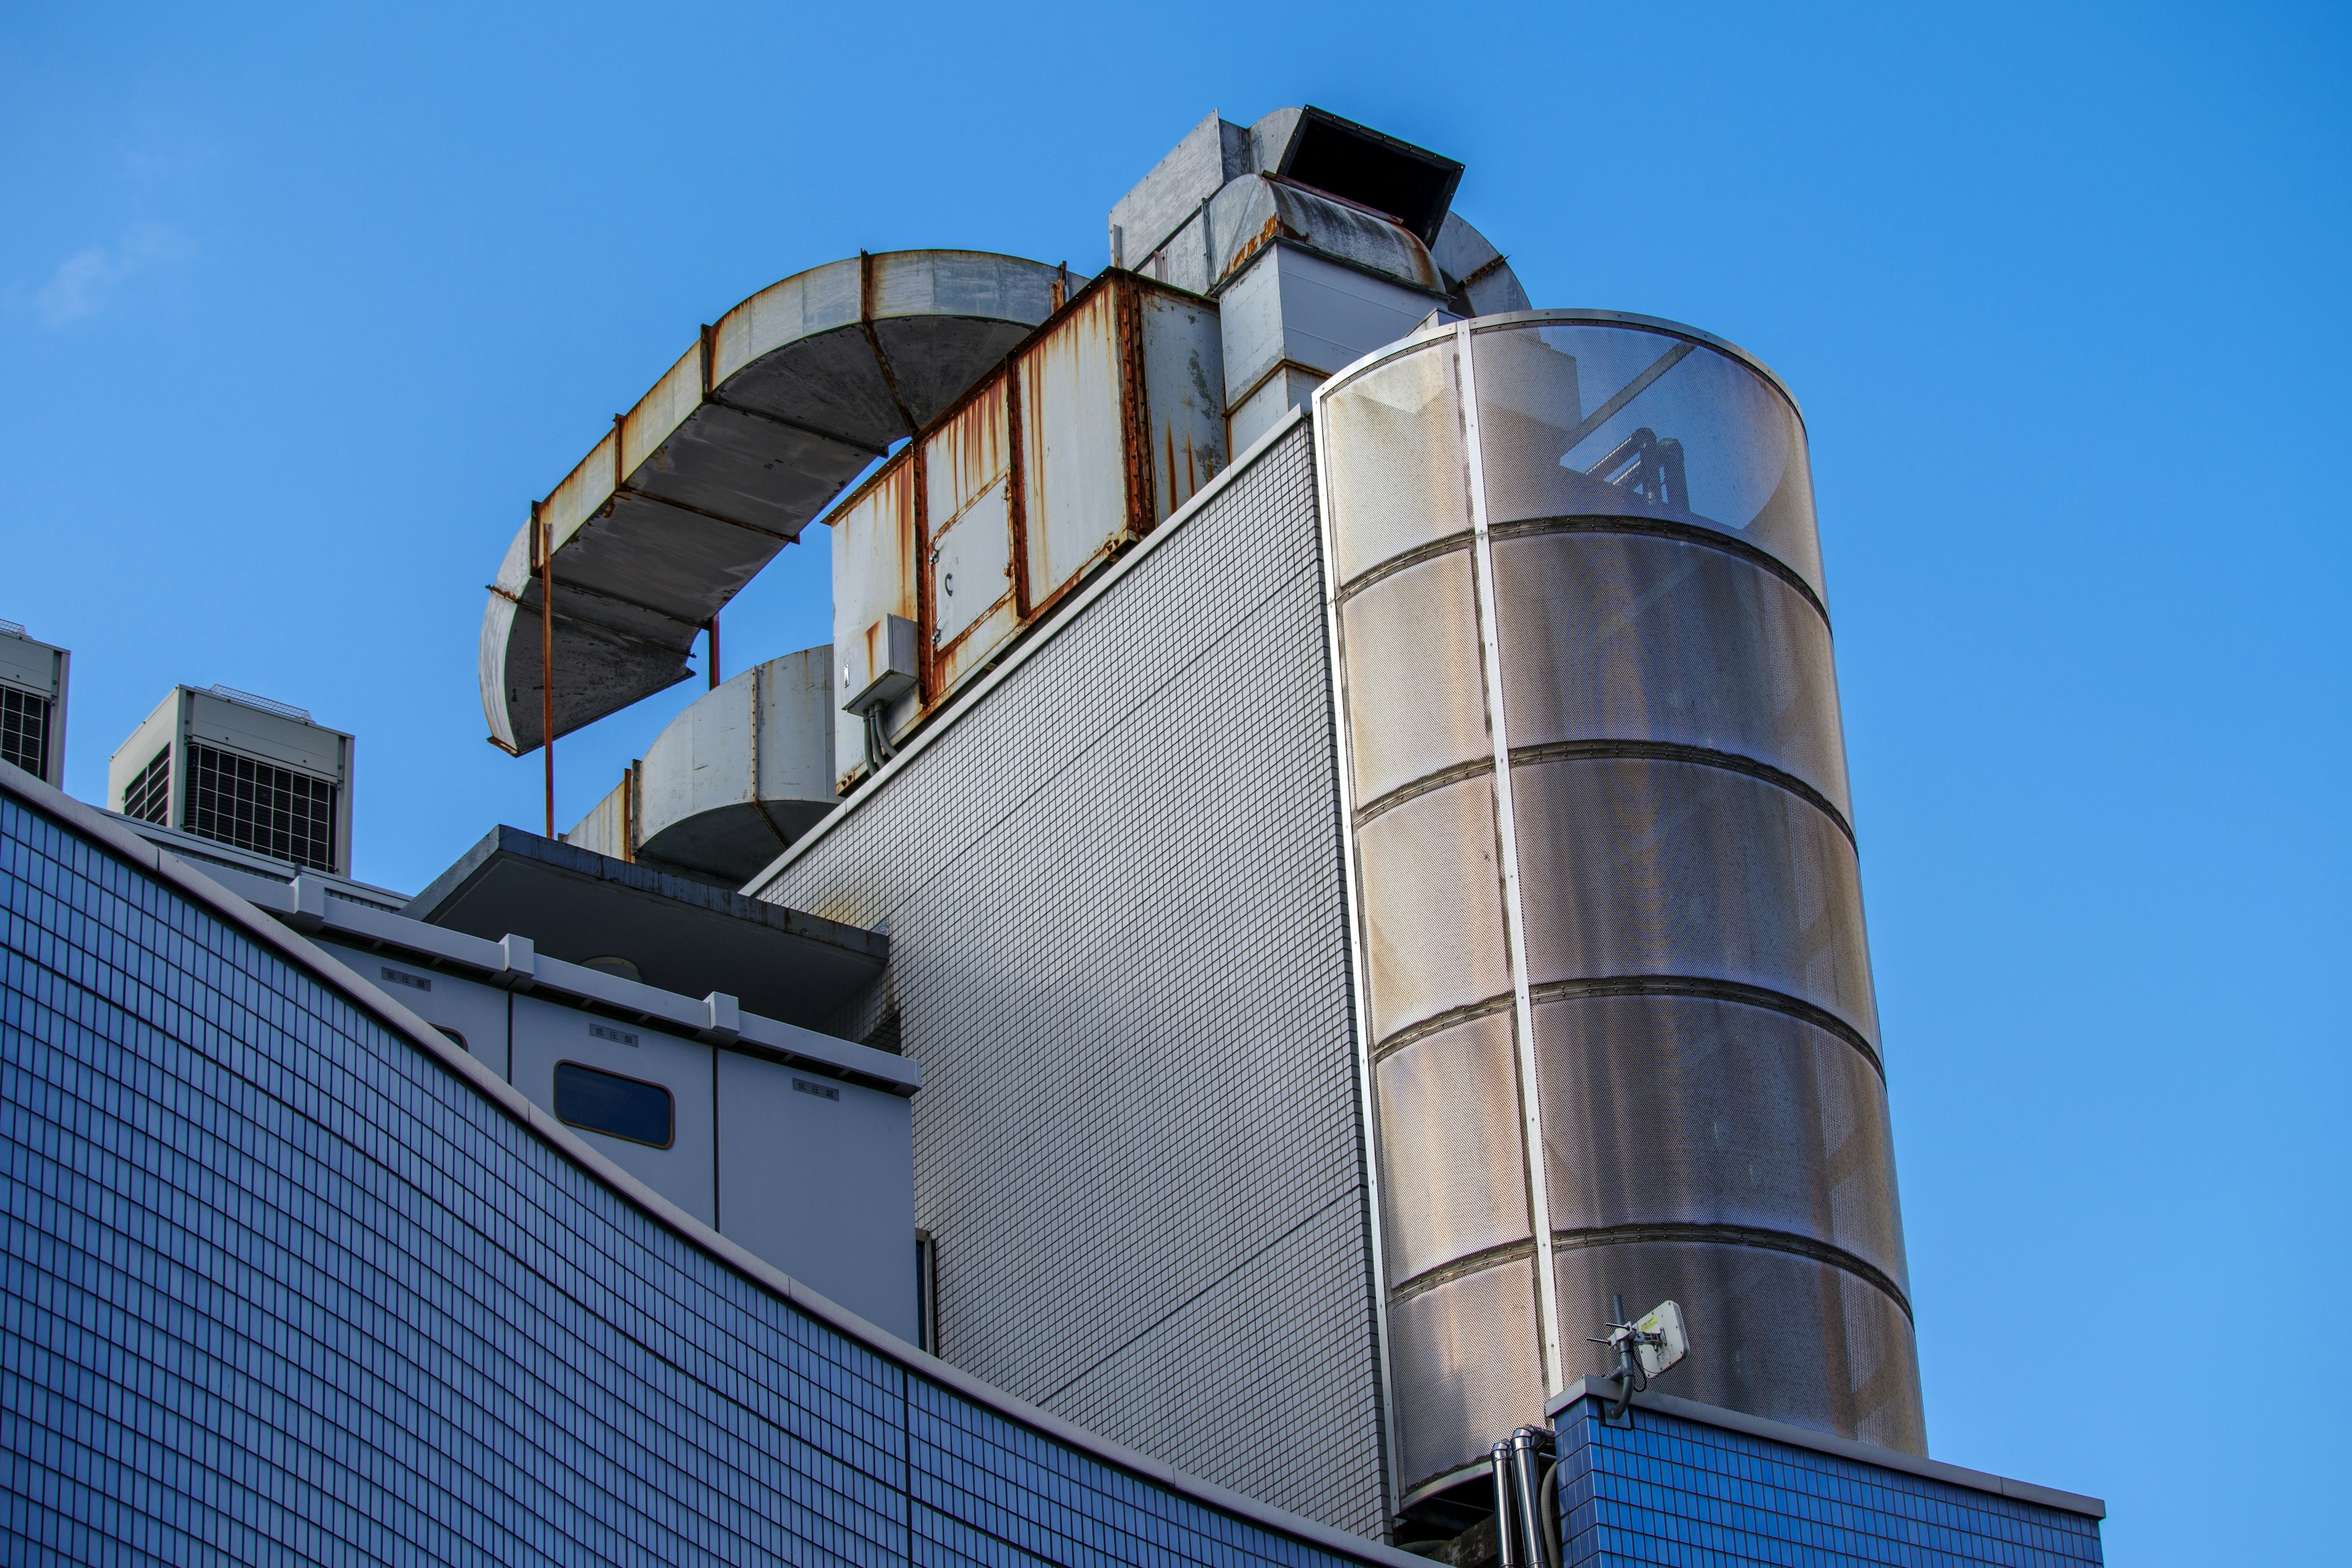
<point>607,1102</point>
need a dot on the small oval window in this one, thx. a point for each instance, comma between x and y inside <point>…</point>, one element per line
<point>606,1102</point>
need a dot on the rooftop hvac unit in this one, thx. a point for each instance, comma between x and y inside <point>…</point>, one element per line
<point>243,771</point>
<point>33,704</point>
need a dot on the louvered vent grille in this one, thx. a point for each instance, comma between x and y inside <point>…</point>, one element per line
<point>254,806</point>
<point>148,797</point>
<point>25,730</point>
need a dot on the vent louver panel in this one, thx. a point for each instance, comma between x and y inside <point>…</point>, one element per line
<point>25,730</point>
<point>254,805</point>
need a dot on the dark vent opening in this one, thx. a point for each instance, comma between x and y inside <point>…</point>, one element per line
<point>1353,162</point>
<point>254,805</point>
<point>616,1105</point>
<point>148,796</point>
<point>25,730</point>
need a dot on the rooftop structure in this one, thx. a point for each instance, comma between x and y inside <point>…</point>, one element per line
<point>1335,776</point>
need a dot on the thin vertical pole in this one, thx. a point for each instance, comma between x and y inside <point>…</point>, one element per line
<point>545,531</point>
<point>713,629</point>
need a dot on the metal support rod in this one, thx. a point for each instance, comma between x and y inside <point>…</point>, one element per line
<point>713,629</point>
<point>545,531</point>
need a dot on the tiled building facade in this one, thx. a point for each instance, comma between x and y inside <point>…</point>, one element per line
<point>285,1278</point>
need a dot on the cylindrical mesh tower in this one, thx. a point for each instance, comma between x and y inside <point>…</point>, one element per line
<point>1604,891</point>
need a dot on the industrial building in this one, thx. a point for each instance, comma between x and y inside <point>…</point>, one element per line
<point>1314,867</point>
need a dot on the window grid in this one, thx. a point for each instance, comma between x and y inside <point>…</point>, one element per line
<point>25,730</point>
<point>256,805</point>
<point>275,1285</point>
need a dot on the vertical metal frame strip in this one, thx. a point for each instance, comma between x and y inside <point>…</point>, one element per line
<point>1507,863</point>
<point>1392,1481</point>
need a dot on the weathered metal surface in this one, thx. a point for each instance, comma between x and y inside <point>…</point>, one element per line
<point>1599,824</point>
<point>1093,431</point>
<point>746,438</point>
<point>728,783</point>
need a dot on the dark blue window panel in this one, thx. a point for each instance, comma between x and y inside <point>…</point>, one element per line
<point>275,1285</point>
<point>1680,1494</point>
<point>606,1102</point>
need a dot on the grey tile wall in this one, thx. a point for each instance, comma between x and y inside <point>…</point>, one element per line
<point>1118,947</point>
<point>276,1285</point>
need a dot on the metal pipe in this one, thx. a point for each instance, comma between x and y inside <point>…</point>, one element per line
<point>546,531</point>
<point>1507,1533</point>
<point>1525,1450</point>
<point>713,629</point>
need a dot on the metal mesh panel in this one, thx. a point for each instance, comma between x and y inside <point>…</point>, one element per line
<point>1118,948</point>
<point>25,730</point>
<point>254,806</point>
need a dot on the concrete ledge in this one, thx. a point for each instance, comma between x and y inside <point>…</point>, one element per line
<point>1823,1443</point>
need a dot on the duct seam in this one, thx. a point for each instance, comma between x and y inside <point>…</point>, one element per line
<point>1682,532</point>
<point>1768,1240</point>
<point>1709,990</point>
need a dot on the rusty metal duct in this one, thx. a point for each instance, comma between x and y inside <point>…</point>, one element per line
<point>748,438</point>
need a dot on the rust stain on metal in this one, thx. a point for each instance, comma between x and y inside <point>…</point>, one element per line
<point>1134,411</point>
<point>545,530</point>
<point>874,340</point>
<point>1016,497</point>
<point>709,358</point>
<point>1252,245</point>
<point>927,616</point>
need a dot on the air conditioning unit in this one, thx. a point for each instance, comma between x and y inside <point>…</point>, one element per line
<point>33,704</point>
<point>240,770</point>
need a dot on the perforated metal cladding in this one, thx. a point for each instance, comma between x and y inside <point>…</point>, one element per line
<point>1404,487</point>
<point>1433,913</point>
<point>1692,1110</point>
<point>1463,1356</point>
<point>1634,866</point>
<point>1819,1346</point>
<point>1635,631</point>
<point>1450,1140</point>
<point>1626,637</point>
<point>1118,948</point>
<point>1566,410</point>
<point>1413,664</point>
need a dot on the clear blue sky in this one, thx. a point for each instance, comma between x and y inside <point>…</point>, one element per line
<point>299,309</point>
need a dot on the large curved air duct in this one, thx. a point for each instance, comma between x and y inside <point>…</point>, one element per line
<point>748,438</point>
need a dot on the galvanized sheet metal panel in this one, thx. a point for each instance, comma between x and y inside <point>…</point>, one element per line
<point>1073,460</point>
<point>1093,431</point>
<point>743,440</point>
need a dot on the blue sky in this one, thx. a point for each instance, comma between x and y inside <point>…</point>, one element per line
<point>299,309</point>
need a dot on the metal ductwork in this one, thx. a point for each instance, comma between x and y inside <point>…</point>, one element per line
<point>728,783</point>
<point>749,436</point>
